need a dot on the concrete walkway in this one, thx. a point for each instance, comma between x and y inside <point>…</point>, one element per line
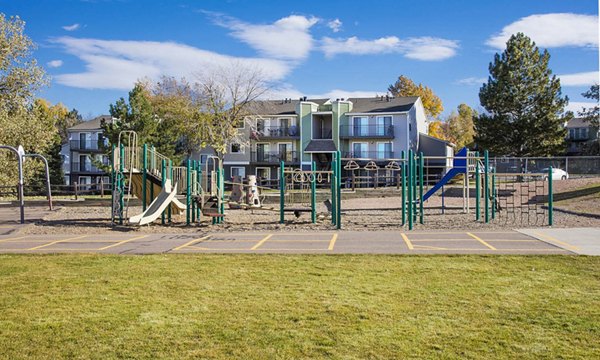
<point>583,241</point>
<point>324,242</point>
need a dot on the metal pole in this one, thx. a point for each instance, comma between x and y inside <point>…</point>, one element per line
<point>144,176</point>
<point>477,189</point>
<point>550,198</point>
<point>486,189</point>
<point>339,190</point>
<point>170,170</point>
<point>281,192</point>
<point>188,175</point>
<point>20,181</point>
<point>493,193</point>
<point>194,189</point>
<point>121,183</point>
<point>421,166</point>
<point>410,190</point>
<point>198,212</point>
<point>313,193</point>
<point>333,192</point>
<point>403,188</point>
<point>222,194</point>
<point>113,184</point>
<point>163,174</point>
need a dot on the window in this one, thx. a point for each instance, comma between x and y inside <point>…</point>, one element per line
<point>236,149</point>
<point>384,150</point>
<point>262,152</point>
<point>360,125</point>
<point>238,171</point>
<point>285,152</point>
<point>82,142</point>
<point>203,159</point>
<point>571,133</point>
<point>383,125</point>
<point>359,150</point>
<point>239,124</point>
<point>263,173</point>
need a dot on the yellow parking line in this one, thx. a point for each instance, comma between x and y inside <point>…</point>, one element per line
<point>57,241</point>
<point>299,240</point>
<point>426,247</point>
<point>332,242</point>
<point>15,238</point>
<point>552,239</point>
<point>408,243</point>
<point>261,242</point>
<point>191,242</point>
<point>275,250</point>
<point>481,241</point>
<point>122,242</point>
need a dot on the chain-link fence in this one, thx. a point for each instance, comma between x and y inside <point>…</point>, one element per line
<point>575,166</point>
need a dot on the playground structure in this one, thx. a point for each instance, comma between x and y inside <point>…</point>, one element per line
<point>21,155</point>
<point>166,190</point>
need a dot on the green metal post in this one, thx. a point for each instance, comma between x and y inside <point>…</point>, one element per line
<point>112,181</point>
<point>188,178</point>
<point>313,193</point>
<point>281,192</point>
<point>404,167</point>
<point>421,167</point>
<point>486,189</point>
<point>222,187</point>
<point>414,184</point>
<point>493,194</point>
<point>194,185</point>
<point>338,185</point>
<point>477,189</point>
<point>198,210</point>
<point>410,189</point>
<point>144,176</point>
<point>121,183</point>
<point>163,176</point>
<point>550,198</point>
<point>333,192</point>
<point>152,166</point>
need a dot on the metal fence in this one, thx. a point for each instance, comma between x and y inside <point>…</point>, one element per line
<point>578,166</point>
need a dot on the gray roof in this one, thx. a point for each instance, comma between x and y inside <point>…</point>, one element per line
<point>578,123</point>
<point>93,124</point>
<point>382,104</point>
<point>320,146</point>
<point>280,107</point>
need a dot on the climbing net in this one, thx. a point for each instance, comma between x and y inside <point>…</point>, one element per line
<point>521,199</point>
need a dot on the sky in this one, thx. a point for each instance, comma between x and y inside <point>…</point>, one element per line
<point>95,50</point>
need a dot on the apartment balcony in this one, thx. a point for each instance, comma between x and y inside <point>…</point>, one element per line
<point>87,145</point>
<point>274,157</point>
<point>276,132</point>
<point>79,167</point>
<point>366,131</point>
<point>371,155</point>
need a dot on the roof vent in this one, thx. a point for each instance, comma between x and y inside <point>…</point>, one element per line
<point>304,98</point>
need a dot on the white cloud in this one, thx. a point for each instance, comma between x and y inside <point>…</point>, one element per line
<point>577,106</point>
<point>421,48</point>
<point>552,30</point>
<point>115,64</point>
<point>472,81</point>
<point>288,91</point>
<point>579,79</point>
<point>54,63</point>
<point>339,93</point>
<point>335,25</point>
<point>71,27</point>
<point>288,38</point>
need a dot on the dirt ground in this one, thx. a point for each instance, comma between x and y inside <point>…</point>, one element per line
<point>366,210</point>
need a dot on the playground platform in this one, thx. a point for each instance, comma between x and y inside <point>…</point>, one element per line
<point>508,242</point>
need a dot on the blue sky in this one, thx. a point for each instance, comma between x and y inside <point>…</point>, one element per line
<point>94,50</point>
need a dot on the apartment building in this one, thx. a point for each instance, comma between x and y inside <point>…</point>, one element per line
<point>305,130</point>
<point>83,153</point>
<point>580,134</point>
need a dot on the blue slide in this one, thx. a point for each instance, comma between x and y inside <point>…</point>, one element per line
<point>459,166</point>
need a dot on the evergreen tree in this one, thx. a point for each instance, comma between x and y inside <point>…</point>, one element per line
<point>525,107</point>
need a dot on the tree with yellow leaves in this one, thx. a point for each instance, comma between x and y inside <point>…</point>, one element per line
<point>404,86</point>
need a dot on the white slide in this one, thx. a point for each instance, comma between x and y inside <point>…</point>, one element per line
<point>162,201</point>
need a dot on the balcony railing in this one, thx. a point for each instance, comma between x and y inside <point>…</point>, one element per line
<point>271,132</point>
<point>369,154</point>
<point>366,131</point>
<point>274,157</point>
<point>86,145</point>
<point>85,167</point>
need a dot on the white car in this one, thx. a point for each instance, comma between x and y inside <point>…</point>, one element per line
<point>557,174</point>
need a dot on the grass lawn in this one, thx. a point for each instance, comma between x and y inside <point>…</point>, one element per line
<point>276,306</point>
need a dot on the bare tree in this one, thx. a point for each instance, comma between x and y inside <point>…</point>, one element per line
<point>227,95</point>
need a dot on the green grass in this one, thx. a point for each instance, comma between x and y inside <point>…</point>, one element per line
<point>270,306</point>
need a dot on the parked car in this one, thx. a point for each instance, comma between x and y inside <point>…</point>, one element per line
<point>557,174</point>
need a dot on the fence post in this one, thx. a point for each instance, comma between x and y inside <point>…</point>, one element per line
<point>493,193</point>
<point>403,174</point>
<point>144,176</point>
<point>313,193</point>
<point>550,198</point>
<point>486,189</point>
<point>410,189</point>
<point>75,189</point>
<point>281,191</point>
<point>101,187</point>
<point>421,166</point>
<point>477,188</point>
